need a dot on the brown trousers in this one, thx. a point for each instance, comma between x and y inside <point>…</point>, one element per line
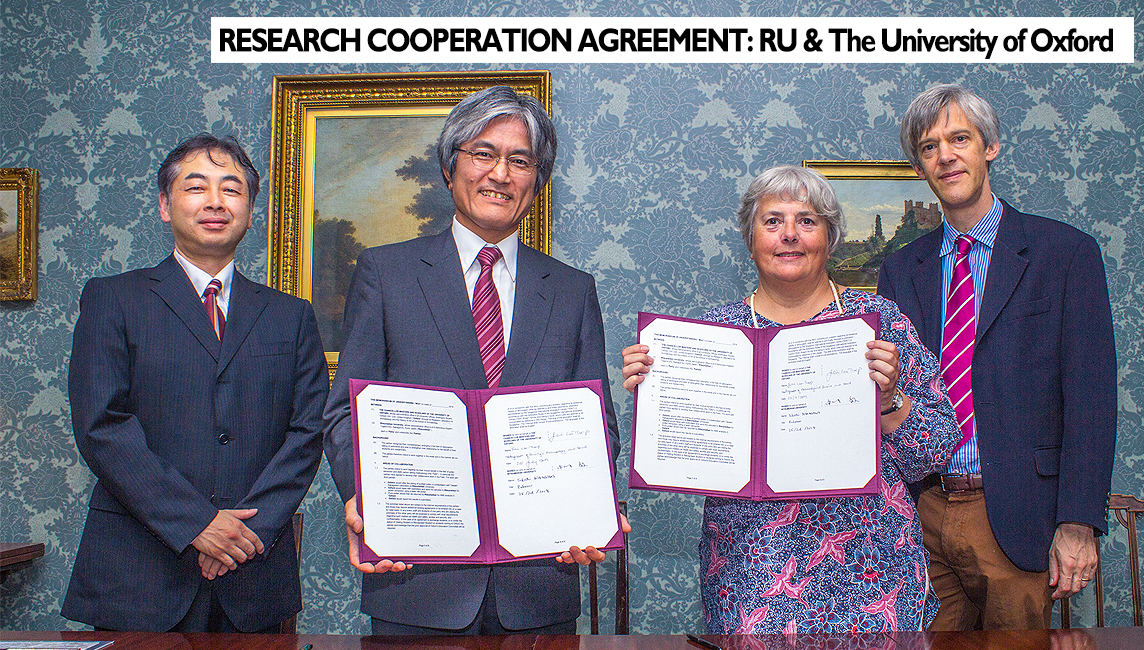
<point>979,588</point>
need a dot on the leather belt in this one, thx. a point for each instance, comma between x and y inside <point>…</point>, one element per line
<point>960,482</point>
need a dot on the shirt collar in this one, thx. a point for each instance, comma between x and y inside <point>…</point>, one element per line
<point>201,278</point>
<point>470,243</point>
<point>984,232</point>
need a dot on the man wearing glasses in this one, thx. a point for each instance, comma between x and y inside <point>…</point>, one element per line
<point>471,308</point>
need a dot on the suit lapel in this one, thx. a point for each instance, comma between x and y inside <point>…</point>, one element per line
<point>171,284</point>
<point>442,282</point>
<point>531,312</point>
<point>246,304</point>
<point>1006,266</point>
<point>927,289</point>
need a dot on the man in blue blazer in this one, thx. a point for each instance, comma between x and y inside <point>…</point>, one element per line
<point>1010,523</point>
<point>196,400</point>
<point>409,318</point>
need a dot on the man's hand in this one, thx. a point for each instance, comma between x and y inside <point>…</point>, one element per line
<point>589,554</point>
<point>210,567</point>
<point>1072,559</point>
<point>228,540</point>
<point>354,526</point>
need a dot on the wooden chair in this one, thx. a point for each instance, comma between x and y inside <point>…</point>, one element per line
<point>621,586</point>
<point>1126,508</point>
<point>290,625</point>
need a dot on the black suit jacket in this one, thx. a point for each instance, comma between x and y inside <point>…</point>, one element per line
<point>408,319</point>
<point>1044,374</point>
<point>176,426</point>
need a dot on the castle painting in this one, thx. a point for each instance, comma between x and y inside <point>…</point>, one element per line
<point>878,220</point>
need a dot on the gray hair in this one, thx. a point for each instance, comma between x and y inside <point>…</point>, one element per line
<point>210,144</point>
<point>791,183</point>
<point>930,106</point>
<point>477,111</point>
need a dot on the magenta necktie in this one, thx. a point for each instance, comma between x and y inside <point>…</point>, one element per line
<point>214,312</point>
<point>487,317</point>
<point>957,340</point>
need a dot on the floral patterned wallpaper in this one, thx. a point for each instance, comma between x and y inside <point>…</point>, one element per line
<point>652,159</point>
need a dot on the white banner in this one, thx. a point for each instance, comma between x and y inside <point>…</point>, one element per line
<point>671,40</point>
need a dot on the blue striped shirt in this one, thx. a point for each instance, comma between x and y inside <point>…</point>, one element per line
<point>966,461</point>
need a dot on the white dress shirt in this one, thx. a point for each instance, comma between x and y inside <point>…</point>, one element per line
<point>201,279</point>
<point>504,271</point>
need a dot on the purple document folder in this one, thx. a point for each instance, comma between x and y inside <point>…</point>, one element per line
<point>489,550</point>
<point>757,487</point>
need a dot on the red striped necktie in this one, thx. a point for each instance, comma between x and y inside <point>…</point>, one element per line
<point>957,340</point>
<point>487,317</point>
<point>214,312</point>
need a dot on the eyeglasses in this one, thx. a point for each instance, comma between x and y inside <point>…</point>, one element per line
<point>485,160</point>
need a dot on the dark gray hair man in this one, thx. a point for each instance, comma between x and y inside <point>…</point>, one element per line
<point>791,183</point>
<point>470,117</point>
<point>410,318</point>
<point>1016,307</point>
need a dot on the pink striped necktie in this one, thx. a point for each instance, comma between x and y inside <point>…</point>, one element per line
<point>487,317</point>
<point>957,340</point>
<point>214,312</point>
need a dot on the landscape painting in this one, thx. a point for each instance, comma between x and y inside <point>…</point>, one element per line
<point>8,244</point>
<point>376,181</point>
<point>19,199</point>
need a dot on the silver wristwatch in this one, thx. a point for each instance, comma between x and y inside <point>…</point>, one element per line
<point>895,404</point>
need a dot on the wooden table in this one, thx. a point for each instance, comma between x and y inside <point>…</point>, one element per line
<point>1125,638</point>
<point>17,556</point>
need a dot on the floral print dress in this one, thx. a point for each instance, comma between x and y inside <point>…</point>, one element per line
<point>846,564</point>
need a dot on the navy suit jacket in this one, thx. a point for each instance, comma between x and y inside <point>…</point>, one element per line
<point>176,426</point>
<point>1044,374</point>
<point>408,319</point>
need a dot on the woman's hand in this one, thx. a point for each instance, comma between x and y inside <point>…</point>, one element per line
<point>884,367</point>
<point>636,364</point>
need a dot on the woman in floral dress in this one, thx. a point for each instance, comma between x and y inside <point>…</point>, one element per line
<point>844,564</point>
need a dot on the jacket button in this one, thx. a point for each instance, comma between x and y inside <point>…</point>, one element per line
<point>223,439</point>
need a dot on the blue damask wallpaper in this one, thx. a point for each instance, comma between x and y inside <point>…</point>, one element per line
<point>652,160</point>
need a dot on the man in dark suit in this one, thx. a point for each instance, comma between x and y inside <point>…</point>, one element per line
<point>410,318</point>
<point>196,399</point>
<point>1016,307</point>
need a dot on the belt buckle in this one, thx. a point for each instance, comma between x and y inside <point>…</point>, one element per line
<point>957,483</point>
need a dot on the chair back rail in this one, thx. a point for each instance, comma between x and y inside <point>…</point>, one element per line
<point>621,586</point>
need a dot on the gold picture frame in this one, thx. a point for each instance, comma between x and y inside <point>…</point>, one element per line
<point>19,204</point>
<point>867,190</point>
<point>359,146</point>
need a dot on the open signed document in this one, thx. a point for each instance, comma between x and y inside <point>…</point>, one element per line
<point>482,476</point>
<point>772,413</point>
